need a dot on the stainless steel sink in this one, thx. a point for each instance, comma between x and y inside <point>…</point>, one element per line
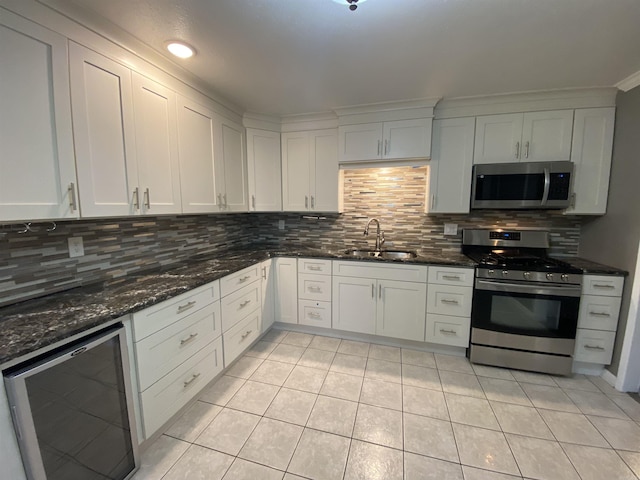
<point>390,254</point>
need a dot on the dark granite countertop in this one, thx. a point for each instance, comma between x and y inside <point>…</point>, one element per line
<point>31,325</point>
<point>593,268</point>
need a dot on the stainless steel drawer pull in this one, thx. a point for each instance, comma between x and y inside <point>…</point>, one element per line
<point>245,303</point>
<point>244,279</point>
<point>188,339</point>
<point>191,380</point>
<point>600,314</point>
<point>448,332</point>
<point>594,347</point>
<point>186,306</point>
<point>253,201</point>
<point>264,272</point>
<point>246,334</point>
<point>314,268</point>
<point>313,288</point>
<point>451,277</point>
<point>147,196</point>
<point>449,301</point>
<point>136,194</point>
<point>600,285</point>
<point>373,291</point>
<point>314,315</point>
<point>72,197</point>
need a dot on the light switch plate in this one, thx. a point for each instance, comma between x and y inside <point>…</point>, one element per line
<point>76,247</point>
<point>450,228</point>
<point>280,224</point>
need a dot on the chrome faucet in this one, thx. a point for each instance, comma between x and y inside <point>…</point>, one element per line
<point>379,233</point>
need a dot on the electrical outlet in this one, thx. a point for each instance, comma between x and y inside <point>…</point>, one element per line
<point>76,247</point>
<point>450,228</point>
<point>280,224</point>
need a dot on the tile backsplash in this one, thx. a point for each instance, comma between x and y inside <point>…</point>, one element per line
<point>38,263</point>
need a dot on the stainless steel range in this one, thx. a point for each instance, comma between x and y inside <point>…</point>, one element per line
<point>525,304</point>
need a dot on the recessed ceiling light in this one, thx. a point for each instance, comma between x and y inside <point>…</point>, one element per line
<point>180,49</point>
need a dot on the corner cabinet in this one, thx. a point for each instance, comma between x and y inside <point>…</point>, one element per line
<point>37,166</point>
<point>264,171</point>
<point>231,170</point>
<point>310,171</point>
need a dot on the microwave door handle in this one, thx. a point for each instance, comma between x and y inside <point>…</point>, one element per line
<point>547,184</point>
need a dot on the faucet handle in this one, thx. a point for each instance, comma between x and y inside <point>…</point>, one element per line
<point>381,238</point>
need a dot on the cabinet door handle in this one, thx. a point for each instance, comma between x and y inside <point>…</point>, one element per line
<point>448,332</point>
<point>245,303</point>
<point>602,285</point>
<point>190,338</point>
<point>573,201</point>
<point>449,301</point>
<point>147,199</point>
<point>451,277</point>
<point>253,201</point>
<point>373,295</point>
<point>594,347</point>
<point>517,149</point>
<point>433,201</point>
<point>306,201</point>
<point>313,202</point>
<point>244,279</point>
<point>600,314</point>
<point>386,147</point>
<point>224,199</point>
<point>219,200</point>
<point>264,272</point>
<point>191,380</point>
<point>379,147</point>
<point>136,195</point>
<point>186,306</point>
<point>245,335</point>
<point>380,291</point>
<point>526,150</point>
<point>72,197</point>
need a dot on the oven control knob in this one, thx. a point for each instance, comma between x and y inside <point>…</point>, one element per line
<point>564,277</point>
<point>550,277</point>
<point>505,273</point>
<point>526,275</point>
<point>491,272</point>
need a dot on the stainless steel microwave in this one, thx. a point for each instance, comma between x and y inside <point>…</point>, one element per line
<point>532,185</point>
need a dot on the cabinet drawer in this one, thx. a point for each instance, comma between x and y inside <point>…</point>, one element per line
<point>238,305</point>
<point>598,312</point>
<point>240,337</point>
<point>317,314</point>
<point>606,285</point>
<point>594,346</point>
<point>405,273</point>
<point>163,351</point>
<point>319,267</point>
<point>169,394</point>
<point>448,330</point>
<point>314,287</point>
<point>449,300</point>
<point>451,276</point>
<point>153,319</point>
<point>233,282</point>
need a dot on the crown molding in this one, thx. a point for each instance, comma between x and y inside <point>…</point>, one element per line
<point>309,121</point>
<point>632,81</point>
<point>262,121</point>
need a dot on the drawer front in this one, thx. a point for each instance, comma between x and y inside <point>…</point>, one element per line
<point>448,330</point>
<point>173,391</point>
<point>238,305</point>
<point>380,271</point>
<point>233,282</point>
<point>153,319</point>
<point>449,300</point>
<point>451,276</point>
<point>316,266</point>
<point>317,314</point>
<point>240,337</point>
<point>594,346</point>
<point>163,351</point>
<point>606,285</point>
<point>314,287</point>
<point>599,313</point>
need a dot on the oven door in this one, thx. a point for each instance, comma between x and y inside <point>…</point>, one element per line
<point>539,310</point>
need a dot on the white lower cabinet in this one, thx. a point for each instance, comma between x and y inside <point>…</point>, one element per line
<point>401,309</point>
<point>314,292</point>
<point>286,289</point>
<point>238,338</point>
<point>354,304</point>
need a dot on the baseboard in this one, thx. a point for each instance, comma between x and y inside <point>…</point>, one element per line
<point>593,369</point>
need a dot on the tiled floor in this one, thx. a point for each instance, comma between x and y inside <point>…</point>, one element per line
<point>298,405</point>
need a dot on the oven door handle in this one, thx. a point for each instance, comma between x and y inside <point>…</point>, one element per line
<point>547,185</point>
<point>555,290</point>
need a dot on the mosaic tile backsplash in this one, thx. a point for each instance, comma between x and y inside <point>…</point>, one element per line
<point>38,263</point>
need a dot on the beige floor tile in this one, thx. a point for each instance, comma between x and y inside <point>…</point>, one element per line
<point>383,352</point>
<point>483,448</point>
<point>349,347</point>
<point>596,403</point>
<point>261,349</point>
<point>293,406</point>
<point>418,358</point>
<point>423,377</point>
<point>320,455</point>
<point>504,391</point>
<point>430,437</point>
<point>381,394</point>
<point>573,428</point>
<point>379,425</point>
<point>333,415</point>
<point>245,470</point>
<point>493,372</point>
<point>228,431</point>
<point>576,382</point>
<point>383,370</point>
<point>329,344</point>
<point>306,379</point>
<point>419,467</point>
<point>341,385</point>
<point>453,363</point>
<point>291,476</point>
<point>373,462</point>
<point>598,463</point>
<point>472,473</point>
<point>471,411</point>
<point>628,405</point>
<point>543,459</point>
<point>632,459</point>
<point>222,391</point>
<point>297,339</point>
<point>461,384</point>
<point>621,434</point>
<point>320,359</point>
<point>604,387</point>
<point>199,463</point>
<point>534,378</point>
<point>160,457</point>
<point>192,423</point>
<point>244,367</point>
<point>286,353</point>
<point>274,335</point>
<point>272,443</point>
<point>253,397</point>
<point>274,373</point>
<point>422,401</point>
<point>350,364</point>
<point>521,420</point>
<point>551,398</point>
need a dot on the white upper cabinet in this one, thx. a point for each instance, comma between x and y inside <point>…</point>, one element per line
<point>102,106</point>
<point>591,155</point>
<point>324,183</point>
<point>388,140</point>
<point>155,115</point>
<point>231,171</point>
<point>528,137</point>
<point>263,167</point>
<point>451,165</point>
<point>37,167</point>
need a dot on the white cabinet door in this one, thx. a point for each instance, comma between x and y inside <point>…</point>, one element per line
<point>296,165</point>
<point>407,138</point>
<point>286,290</point>
<point>102,106</point>
<point>546,136</point>
<point>37,167</point>
<point>156,146</point>
<point>354,304</point>
<point>263,166</point>
<point>268,298</point>
<point>196,127</point>
<point>401,309</point>
<point>498,138</point>
<point>324,158</point>
<point>451,165</point>
<point>231,169</point>
<point>591,156</point>
<point>360,142</point>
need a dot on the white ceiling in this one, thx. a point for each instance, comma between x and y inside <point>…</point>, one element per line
<point>301,56</point>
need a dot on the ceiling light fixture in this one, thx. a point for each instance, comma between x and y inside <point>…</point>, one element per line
<point>353,4</point>
<point>180,49</point>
